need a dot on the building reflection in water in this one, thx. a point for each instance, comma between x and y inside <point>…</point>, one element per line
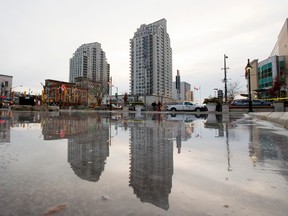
<point>9,119</point>
<point>151,159</point>
<point>182,127</point>
<point>5,125</point>
<point>214,121</point>
<point>151,145</point>
<point>268,150</point>
<point>88,138</point>
<point>220,124</point>
<point>264,146</point>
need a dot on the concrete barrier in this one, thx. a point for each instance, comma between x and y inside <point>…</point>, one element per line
<point>255,108</point>
<point>225,108</point>
<point>276,117</point>
<point>278,106</point>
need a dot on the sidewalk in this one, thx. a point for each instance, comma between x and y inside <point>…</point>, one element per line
<point>276,117</point>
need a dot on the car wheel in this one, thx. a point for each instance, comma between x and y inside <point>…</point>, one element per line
<point>173,109</point>
<point>197,109</point>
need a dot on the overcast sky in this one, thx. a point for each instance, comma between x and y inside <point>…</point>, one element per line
<point>38,37</point>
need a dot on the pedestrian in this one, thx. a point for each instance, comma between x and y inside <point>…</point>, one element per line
<point>159,106</point>
<point>154,106</point>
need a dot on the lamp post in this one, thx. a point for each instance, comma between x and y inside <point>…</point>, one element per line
<point>248,71</point>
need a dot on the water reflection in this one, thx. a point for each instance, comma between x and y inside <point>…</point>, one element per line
<point>266,147</point>
<point>5,124</point>
<point>87,141</point>
<point>221,124</point>
<point>151,156</point>
<point>152,139</point>
<point>182,127</point>
<point>89,134</point>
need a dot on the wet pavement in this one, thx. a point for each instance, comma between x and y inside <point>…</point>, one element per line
<point>89,163</point>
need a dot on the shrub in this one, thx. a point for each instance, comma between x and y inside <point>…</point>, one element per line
<point>137,103</point>
<point>211,100</point>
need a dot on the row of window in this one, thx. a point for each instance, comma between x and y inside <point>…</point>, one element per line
<point>265,75</point>
<point>265,85</point>
<point>4,84</point>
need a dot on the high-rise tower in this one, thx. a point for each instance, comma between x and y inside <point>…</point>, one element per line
<point>151,61</point>
<point>89,61</point>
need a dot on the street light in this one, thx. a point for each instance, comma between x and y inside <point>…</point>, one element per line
<point>247,73</point>
<point>116,94</point>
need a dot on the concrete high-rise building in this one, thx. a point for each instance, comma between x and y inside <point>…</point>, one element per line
<point>89,61</point>
<point>181,90</point>
<point>184,93</point>
<point>177,86</point>
<point>151,61</point>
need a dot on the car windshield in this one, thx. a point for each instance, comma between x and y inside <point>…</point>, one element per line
<point>240,101</point>
<point>257,101</point>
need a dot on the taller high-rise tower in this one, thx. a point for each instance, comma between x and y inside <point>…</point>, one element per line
<point>151,61</point>
<point>89,61</point>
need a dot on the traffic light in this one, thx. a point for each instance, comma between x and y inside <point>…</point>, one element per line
<point>116,95</point>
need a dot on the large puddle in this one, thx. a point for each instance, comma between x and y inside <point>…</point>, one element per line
<point>82,163</point>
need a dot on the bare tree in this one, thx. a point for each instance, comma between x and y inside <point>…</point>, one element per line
<point>97,90</point>
<point>233,89</point>
<point>278,84</point>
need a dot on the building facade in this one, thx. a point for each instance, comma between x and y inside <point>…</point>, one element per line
<point>64,94</point>
<point>5,88</point>
<point>281,46</point>
<point>151,61</point>
<point>253,78</point>
<point>267,71</point>
<point>89,61</point>
<point>263,73</point>
<point>281,49</point>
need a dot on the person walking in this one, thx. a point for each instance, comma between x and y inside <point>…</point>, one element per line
<point>159,106</point>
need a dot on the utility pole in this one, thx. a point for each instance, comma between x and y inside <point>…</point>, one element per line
<point>225,77</point>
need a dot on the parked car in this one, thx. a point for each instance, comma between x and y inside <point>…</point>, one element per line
<point>245,102</point>
<point>113,107</point>
<point>186,106</point>
<point>116,107</point>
